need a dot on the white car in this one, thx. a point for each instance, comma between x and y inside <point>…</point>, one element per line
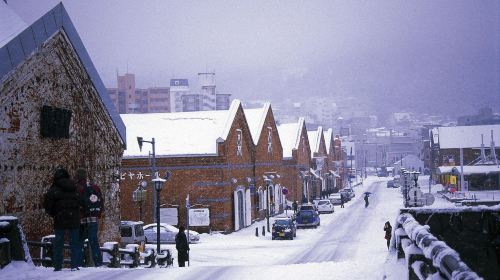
<point>335,198</point>
<point>325,206</point>
<point>167,233</point>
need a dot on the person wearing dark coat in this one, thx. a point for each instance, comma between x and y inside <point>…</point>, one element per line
<point>182,246</point>
<point>388,233</point>
<point>295,205</point>
<point>342,200</point>
<point>366,200</point>
<point>62,202</point>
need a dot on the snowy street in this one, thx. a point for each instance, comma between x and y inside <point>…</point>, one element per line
<point>349,244</point>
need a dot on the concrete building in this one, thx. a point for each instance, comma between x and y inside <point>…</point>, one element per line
<point>178,88</point>
<point>129,99</point>
<point>55,113</point>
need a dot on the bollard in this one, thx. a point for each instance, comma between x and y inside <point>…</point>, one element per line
<point>257,231</point>
<point>263,231</point>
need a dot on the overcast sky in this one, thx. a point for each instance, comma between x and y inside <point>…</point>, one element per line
<point>387,51</point>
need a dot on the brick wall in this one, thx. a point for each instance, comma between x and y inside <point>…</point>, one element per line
<point>53,76</point>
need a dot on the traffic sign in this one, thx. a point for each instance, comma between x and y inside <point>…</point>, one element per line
<point>284,191</point>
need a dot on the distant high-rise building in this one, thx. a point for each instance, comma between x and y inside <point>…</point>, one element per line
<point>207,91</point>
<point>129,99</point>
<point>222,101</point>
<point>178,88</point>
<point>191,102</point>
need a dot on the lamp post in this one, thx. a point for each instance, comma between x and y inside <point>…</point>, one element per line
<point>158,184</point>
<point>139,196</point>
<point>140,141</point>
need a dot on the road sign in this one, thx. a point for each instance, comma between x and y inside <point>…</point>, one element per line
<point>428,199</point>
<point>284,191</point>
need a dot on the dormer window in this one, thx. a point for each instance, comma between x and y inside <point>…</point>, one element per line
<point>269,140</point>
<point>239,144</point>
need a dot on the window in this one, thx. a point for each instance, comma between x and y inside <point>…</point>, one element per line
<point>126,231</point>
<point>55,122</point>
<point>239,144</point>
<point>269,140</point>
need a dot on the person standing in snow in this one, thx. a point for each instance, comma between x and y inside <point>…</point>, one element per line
<point>341,200</point>
<point>366,200</point>
<point>388,233</point>
<point>182,246</point>
<point>295,205</point>
<point>93,205</point>
<point>63,203</point>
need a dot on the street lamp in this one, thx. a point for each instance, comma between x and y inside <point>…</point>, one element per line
<point>139,196</point>
<point>158,184</point>
<point>140,141</point>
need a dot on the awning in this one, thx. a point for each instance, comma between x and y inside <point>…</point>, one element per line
<point>313,172</point>
<point>334,173</point>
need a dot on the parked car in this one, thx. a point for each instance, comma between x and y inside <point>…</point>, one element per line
<point>284,228</point>
<point>335,198</point>
<point>131,232</point>
<point>167,233</point>
<point>325,206</point>
<point>349,192</point>
<point>308,206</point>
<point>307,218</point>
<point>391,184</point>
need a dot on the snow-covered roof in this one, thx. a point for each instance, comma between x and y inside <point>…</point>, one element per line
<point>467,136</point>
<point>10,24</point>
<point>21,46</point>
<point>179,134</point>
<point>315,139</point>
<point>469,170</point>
<point>328,138</point>
<point>255,119</point>
<point>290,136</point>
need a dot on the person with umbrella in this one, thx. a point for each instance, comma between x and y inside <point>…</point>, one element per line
<point>367,194</point>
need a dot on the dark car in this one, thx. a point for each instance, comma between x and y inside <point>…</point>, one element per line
<point>391,184</point>
<point>284,228</point>
<point>307,218</point>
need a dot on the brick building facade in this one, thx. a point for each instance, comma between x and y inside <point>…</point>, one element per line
<point>55,113</point>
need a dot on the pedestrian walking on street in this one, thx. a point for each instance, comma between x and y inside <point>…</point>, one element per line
<point>366,200</point>
<point>341,200</point>
<point>182,246</point>
<point>93,205</point>
<point>295,205</point>
<point>62,203</point>
<point>388,233</point>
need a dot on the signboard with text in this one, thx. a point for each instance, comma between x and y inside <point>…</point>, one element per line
<point>199,217</point>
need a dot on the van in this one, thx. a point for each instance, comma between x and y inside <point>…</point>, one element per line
<point>131,232</point>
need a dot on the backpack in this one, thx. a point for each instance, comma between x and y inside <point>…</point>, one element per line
<point>92,201</point>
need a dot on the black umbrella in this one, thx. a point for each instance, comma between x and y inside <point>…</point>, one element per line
<point>367,193</point>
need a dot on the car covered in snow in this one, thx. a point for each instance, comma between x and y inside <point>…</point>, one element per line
<point>167,233</point>
<point>325,206</point>
<point>308,206</point>
<point>307,218</point>
<point>284,228</point>
<point>348,193</point>
<point>335,198</point>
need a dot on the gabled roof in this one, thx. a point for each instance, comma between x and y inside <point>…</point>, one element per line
<point>255,119</point>
<point>19,48</point>
<point>328,139</point>
<point>290,136</point>
<point>315,139</point>
<point>179,134</point>
<point>454,137</point>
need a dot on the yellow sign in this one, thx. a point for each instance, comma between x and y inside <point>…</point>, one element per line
<point>453,180</point>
